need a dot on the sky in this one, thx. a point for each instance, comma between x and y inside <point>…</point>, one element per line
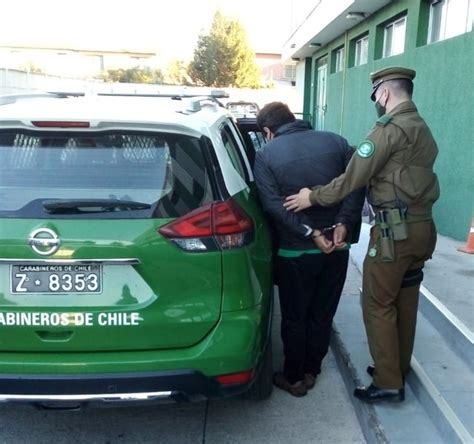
<point>170,28</point>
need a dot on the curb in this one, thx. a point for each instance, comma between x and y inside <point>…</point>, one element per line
<point>372,429</point>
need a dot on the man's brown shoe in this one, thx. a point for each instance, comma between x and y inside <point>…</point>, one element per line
<point>297,389</point>
<point>309,380</point>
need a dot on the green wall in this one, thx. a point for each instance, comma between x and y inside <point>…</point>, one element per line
<point>444,94</point>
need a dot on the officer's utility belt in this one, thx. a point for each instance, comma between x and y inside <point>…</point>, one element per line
<point>410,217</point>
<point>393,227</point>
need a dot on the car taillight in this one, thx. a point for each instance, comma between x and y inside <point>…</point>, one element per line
<point>60,124</point>
<point>236,378</point>
<point>219,225</point>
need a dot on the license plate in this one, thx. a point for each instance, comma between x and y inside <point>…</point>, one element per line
<point>56,278</point>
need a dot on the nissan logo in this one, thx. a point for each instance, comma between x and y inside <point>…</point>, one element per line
<point>44,241</point>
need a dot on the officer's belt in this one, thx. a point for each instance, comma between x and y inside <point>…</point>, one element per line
<point>413,214</point>
<point>418,217</point>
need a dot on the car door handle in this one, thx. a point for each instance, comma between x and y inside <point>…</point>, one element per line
<point>55,336</point>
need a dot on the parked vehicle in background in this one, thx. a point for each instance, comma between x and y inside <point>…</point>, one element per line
<point>135,260</point>
<point>243,109</point>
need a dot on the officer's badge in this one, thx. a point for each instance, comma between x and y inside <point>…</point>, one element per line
<point>365,149</point>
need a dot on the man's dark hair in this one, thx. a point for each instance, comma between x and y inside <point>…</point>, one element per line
<point>402,85</point>
<point>273,115</point>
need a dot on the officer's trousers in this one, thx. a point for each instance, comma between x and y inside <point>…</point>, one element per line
<point>390,302</point>
<point>309,287</point>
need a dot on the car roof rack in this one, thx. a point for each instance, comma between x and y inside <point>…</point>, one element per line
<point>215,94</point>
<point>196,101</point>
<point>13,98</point>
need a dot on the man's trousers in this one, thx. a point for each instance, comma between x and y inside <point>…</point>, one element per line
<point>310,287</point>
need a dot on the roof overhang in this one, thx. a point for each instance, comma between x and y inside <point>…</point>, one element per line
<point>327,21</point>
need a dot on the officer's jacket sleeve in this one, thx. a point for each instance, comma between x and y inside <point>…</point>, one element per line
<point>359,171</point>
<point>272,200</point>
<point>350,211</point>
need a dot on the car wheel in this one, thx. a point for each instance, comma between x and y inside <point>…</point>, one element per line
<point>263,386</point>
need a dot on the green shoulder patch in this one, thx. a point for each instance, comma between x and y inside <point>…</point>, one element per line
<point>365,149</point>
<point>384,119</point>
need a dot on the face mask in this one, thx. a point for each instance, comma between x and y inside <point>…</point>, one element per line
<point>381,110</point>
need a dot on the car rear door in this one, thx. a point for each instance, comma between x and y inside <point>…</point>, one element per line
<point>83,264</point>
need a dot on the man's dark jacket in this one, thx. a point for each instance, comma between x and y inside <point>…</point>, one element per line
<point>299,157</point>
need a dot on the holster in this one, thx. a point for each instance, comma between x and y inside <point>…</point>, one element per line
<point>396,219</point>
<point>387,253</point>
<point>386,249</point>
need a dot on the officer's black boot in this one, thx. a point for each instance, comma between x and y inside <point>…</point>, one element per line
<point>375,394</point>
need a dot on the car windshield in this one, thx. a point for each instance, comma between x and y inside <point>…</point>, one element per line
<point>107,175</point>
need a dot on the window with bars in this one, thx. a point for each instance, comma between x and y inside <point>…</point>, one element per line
<point>289,72</point>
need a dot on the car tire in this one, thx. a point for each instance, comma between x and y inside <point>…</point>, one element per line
<point>262,388</point>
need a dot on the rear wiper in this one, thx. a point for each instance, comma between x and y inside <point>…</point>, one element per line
<point>92,205</point>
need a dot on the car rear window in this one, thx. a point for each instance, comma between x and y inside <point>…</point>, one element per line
<point>101,175</point>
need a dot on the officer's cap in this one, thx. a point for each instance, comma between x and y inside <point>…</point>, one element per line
<point>392,73</point>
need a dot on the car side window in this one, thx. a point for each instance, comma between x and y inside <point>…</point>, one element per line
<point>257,139</point>
<point>232,148</point>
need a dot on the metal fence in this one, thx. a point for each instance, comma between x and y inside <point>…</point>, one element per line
<point>14,81</point>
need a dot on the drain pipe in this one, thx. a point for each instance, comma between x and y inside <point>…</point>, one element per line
<point>346,66</point>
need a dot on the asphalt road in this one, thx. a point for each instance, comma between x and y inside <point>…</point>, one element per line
<point>325,415</point>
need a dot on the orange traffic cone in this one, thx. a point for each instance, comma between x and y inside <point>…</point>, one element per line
<point>469,248</point>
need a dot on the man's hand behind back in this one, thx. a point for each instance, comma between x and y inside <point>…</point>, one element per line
<point>322,242</point>
<point>339,237</point>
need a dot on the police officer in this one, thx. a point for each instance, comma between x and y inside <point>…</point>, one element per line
<point>396,162</point>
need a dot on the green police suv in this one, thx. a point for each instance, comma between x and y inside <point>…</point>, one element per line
<point>135,261</point>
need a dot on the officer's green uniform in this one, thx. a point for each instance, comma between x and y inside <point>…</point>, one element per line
<point>396,162</point>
